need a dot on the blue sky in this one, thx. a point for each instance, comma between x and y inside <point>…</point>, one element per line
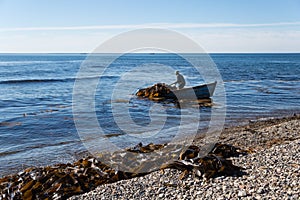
<point>218,25</point>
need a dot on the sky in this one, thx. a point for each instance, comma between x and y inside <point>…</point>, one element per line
<point>218,26</point>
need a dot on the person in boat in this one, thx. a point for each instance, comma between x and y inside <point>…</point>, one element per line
<point>180,80</point>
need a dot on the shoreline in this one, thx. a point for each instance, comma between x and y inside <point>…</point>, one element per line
<point>272,170</point>
<point>277,130</point>
<point>229,128</point>
<point>253,135</point>
<point>83,153</point>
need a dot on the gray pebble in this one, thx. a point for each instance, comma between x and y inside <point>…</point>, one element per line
<point>271,173</point>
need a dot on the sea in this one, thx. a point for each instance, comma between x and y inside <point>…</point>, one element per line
<point>38,111</point>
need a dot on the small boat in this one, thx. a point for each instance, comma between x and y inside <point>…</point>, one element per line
<point>201,92</point>
<point>161,91</point>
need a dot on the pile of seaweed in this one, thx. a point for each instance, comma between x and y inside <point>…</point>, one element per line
<point>157,92</point>
<point>162,92</point>
<point>59,181</point>
<point>215,163</point>
<point>64,180</point>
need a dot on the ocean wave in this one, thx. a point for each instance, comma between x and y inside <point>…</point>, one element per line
<point>11,63</point>
<point>20,81</point>
<point>34,81</point>
<point>37,146</point>
<point>295,80</point>
<point>242,81</point>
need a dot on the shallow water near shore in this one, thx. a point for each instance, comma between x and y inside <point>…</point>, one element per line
<point>36,119</point>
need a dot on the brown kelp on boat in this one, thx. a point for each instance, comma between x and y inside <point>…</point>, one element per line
<point>162,91</point>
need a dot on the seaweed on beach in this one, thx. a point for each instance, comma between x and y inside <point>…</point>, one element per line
<point>64,180</point>
<point>215,163</point>
<point>139,148</point>
<point>60,181</point>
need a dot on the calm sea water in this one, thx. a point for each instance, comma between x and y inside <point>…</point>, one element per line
<point>36,118</point>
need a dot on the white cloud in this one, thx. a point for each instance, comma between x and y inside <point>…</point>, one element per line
<point>156,25</point>
<point>273,37</point>
<point>248,41</point>
<point>51,43</point>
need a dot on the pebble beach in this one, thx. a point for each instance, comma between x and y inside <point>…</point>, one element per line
<point>271,171</point>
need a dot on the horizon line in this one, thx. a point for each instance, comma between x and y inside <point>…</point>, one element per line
<point>270,52</point>
<point>151,25</point>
